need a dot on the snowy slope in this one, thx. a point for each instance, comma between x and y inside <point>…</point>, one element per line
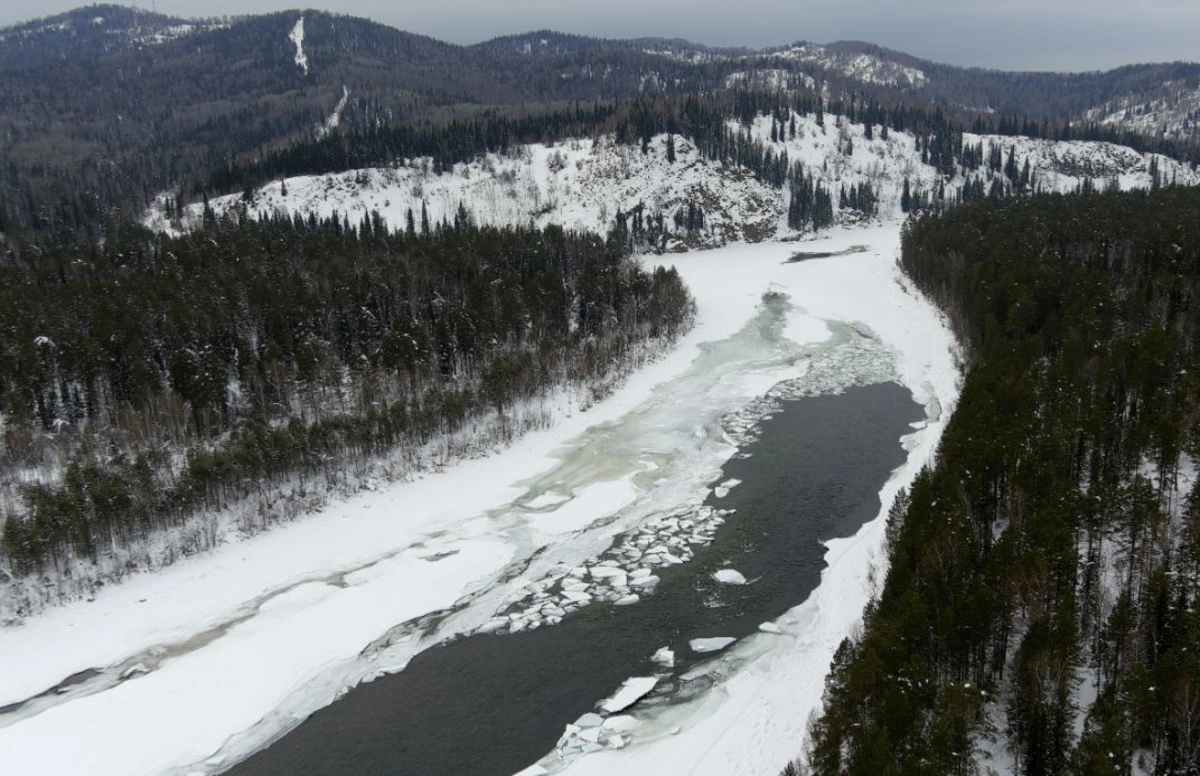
<point>296,36</point>
<point>1175,114</point>
<point>866,68</point>
<point>579,184</point>
<point>769,78</point>
<point>583,184</point>
<point>838,153</point>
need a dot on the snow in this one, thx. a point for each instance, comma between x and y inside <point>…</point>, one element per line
<point>621,724</point>
<point>862,67</point>
<point>631,691</point>
<point>1174,111</point>
<point>769,79</point>
<point>584,183</point>
<point>806,329</point>
<point>296,36</point>
<point>578,184</point>
<point>710,644</point>
<point>756,720</point>
<point>1062,165</point>
<point>241,642</point>
<point>335,118</point>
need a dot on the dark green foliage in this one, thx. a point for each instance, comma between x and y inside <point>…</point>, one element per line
<point>1078,316</point>
<point>237,356</point>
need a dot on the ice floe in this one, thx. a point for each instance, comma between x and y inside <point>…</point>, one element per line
<point>710,644</point>
<point>631,691</point>
<point>729,577</point>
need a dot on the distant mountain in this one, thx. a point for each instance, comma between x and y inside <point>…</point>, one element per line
<point>545,43</point>
<point>91,32</point>
<point>157,99</point>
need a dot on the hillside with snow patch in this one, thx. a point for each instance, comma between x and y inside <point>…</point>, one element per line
<point>867,68</point>
<point>1175,114</point>
<point>584,184</point>
<point>578,184</point>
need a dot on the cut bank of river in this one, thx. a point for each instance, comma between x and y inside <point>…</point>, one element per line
<point>494,704</point>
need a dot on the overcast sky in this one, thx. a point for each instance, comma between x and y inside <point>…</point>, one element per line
<point>1011,34</point>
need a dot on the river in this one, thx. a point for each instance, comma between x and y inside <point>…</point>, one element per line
<point>494,704</point>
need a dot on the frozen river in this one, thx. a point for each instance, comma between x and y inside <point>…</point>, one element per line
<point>494,704</point>
<point>530,550</point>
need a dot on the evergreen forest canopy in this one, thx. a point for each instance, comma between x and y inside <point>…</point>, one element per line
<point>1046,549</point>
<point>184,374</point>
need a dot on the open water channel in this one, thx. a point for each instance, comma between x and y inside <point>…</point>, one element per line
<point>496,703</point>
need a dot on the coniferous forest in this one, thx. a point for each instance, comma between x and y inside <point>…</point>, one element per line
<point>180,374</point>
<point>1052,554</point>
<point>164,389</point>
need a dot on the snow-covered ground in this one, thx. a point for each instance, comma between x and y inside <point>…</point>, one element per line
<point>296,36</point>
<point>578,184</point>
<point>584,183</point>
<point>1175,112</point>
<point>867,68</point>
<point>209,659</point>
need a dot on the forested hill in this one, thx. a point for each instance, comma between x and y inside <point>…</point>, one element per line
<point>264,362</point>
<point>104,108</point>
<point>1042,600</point>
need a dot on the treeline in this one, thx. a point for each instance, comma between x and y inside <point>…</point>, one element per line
<point>446,144</point>
<point>1047,549</point>
<point>161,375</point>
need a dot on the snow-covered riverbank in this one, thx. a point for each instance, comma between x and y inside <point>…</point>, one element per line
<point>222,653</point>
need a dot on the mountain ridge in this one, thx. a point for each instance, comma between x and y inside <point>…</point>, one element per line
<point>161,99</point>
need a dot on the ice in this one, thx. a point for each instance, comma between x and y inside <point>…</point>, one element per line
<point>729,577</point>
<point>626,600</point>
<point>665,656</point>
<point>590,735</point>
<point>805,329</point>
<point>533,770</point>
<point>722,490</point>
<point>769,627</point>
<point>757,720</point>
<point>589,720</point>
<point>711,644</point>
<point>134,670</point>
<point>244,665</point>
<point>547,500</point>
<point>620,724</point>
<point>631,691</point>
<point>642,583</point>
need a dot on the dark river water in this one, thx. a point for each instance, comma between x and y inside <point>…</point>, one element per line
<point>495,704</point>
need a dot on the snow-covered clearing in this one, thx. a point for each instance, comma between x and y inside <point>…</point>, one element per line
<point>867,68</point>
<point>296,36</point>
<point>577,184</point>
<point>224,652</point>
<point>335,118</point>
<point>584,183</point>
